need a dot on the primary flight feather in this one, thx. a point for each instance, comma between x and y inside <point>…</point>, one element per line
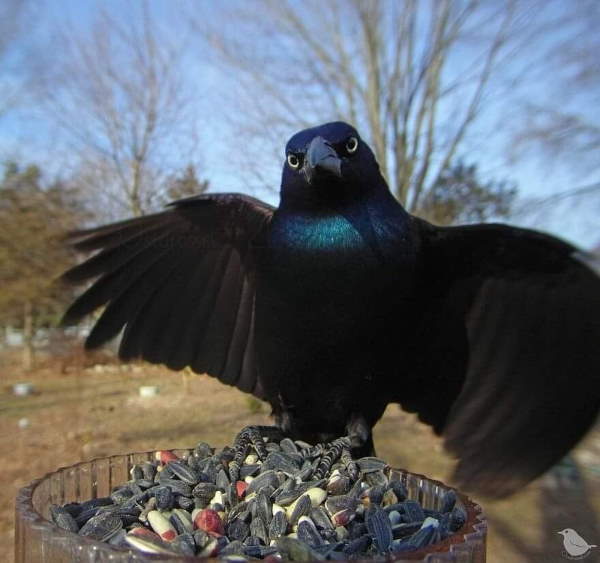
<point>339,302</point>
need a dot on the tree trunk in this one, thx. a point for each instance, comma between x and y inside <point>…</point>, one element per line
<point>27,335</point>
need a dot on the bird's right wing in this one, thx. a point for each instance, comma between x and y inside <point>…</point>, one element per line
<point>180,283</point>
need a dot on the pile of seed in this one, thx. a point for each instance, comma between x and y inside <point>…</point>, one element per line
<point>275,509</point>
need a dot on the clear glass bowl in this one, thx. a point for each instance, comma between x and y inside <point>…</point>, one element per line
<point>37,539</point>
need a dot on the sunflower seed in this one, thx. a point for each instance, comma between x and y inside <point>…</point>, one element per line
<point>184,472</point>
<point>95,503</point>
<point>204,492</point>
<point>448,501</point>
<point>147,541</point>
<point>422,537</point>
<point>202,450</point>
<point>301,507</point>
<point>305,473</point>
<point>101,527</point>
<point>358,545</point>
<point>376,478</point>
<point>380,528</point>
<point>356,529</point>
<point>264,507</point>
<point>184,544</point>
<point>373,495</point>
<point>250,470</point>
<point>274,510</point>
<point>85,515</point>
<point>222,481</point>
<point>321,519</point>
<point>268,478</point>
<point>148,470</point>
<point>403,530</point>
<point>370,464</point>
<point>186,503</point>
<point>177,486</point>
<point>338,484</point>
<point>411,511</point>
<point>288,446</point>
<point>181,520</point>
<point>458,517</point>
<point>238,530</point>
<point>308,533</point>
<point>165,499</point>
<point>145,483</point>
<point>63,519</point>
<point>399,490</point>
<point>278,525</point>
<point>282,462</point>
<point>295,550</point>
<point>235,547</point>
<point>201,538</point>
<point>259,530</point>
<point>293,491</point>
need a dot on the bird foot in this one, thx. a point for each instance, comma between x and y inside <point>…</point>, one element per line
<point>330,453</point>
<point>251,437</point>
<point>358,441</point>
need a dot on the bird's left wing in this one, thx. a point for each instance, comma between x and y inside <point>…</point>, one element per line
<point>507,355</point>
<point>180,283</point>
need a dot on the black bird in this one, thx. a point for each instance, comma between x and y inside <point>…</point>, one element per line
<point>339,302</point>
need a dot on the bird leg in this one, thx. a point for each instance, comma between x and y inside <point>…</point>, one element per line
<point>330,453</point>
<point>358,440</point>
<point>349,464</point>
<point>251,436</point>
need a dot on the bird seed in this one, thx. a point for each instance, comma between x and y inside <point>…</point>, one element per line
<point>278,507</point>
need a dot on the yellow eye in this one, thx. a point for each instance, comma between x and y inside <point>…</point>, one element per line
<point>293,161</point>
<point>352,145</point>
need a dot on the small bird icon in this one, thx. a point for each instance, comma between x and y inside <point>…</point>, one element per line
<point>574,544</point>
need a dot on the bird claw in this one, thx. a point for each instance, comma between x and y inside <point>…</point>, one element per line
<point>349,464</point>
<point>251,436</point>
<point>330,453</point>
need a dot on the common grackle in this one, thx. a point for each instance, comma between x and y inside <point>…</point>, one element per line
<point>339,302</point>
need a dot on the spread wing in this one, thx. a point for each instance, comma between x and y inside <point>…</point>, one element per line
<point>507,356</point>
<point>180,283</point>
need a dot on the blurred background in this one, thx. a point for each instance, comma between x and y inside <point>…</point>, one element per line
<point>477,111</point>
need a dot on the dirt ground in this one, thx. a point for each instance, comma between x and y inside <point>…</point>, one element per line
<point>96,410</point>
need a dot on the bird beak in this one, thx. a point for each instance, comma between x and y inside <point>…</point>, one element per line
<point>321,158</point>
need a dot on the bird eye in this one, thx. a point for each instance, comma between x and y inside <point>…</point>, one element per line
<point>293,161</point>
<point>351,145</point>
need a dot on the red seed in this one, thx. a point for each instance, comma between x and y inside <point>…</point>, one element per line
<point>144,532</point>
<point>165,456</point>
<point>240,487</point>
<point>168,535</point>
<point>343,517</point>
<point>209,521</point>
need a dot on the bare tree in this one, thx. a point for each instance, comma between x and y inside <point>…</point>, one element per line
<point>120,92</point>
<point>412,75</point>
<point>13,14</point>
<point>563,121</point>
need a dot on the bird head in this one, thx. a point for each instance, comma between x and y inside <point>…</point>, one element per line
<point>329,162</point>
<point>565,532</point>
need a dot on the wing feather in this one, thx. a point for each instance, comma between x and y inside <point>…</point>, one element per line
<point>179,284</point>
<point>521,316</point>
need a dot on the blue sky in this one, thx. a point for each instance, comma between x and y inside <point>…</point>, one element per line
<point>25,133</point>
